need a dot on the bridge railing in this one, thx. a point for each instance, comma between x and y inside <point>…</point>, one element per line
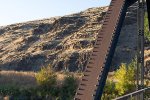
<point>135,94</point>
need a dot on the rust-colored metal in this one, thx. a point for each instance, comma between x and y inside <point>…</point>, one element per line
<point>94,70</point>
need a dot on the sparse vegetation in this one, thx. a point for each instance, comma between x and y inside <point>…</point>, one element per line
<point>69,88</point>
<point>50,85</point>
<point>109,90</point>
<point>125,78</point>
<point>46,78</point>
<point>122,82</point>
<point>18,78</point>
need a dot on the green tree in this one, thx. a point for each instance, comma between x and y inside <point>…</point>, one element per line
<point>121,83</point>
<point>125,78</point>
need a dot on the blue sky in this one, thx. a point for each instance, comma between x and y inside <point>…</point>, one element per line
<point>14,11</point>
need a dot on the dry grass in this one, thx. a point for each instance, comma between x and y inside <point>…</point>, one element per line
<point>27,79</point>
<point>62,75</point>
<point>20,79</point>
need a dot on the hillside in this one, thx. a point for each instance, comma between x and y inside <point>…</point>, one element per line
<point>62,42</point>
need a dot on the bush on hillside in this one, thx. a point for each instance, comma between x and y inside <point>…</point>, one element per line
<point>109,91</point>
<point>125,77</point>
<point>69,88</point>
<point>123,82</point>
<point>46,78</point>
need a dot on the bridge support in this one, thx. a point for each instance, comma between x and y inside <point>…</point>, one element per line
<point>140,47</point>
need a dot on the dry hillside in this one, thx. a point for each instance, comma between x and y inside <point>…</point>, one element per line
<point>63,42</point>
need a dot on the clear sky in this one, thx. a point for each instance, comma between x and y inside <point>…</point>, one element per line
<point>14,11</point>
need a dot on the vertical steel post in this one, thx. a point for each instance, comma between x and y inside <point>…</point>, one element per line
<point>140,52</point>
<point>148,10</point>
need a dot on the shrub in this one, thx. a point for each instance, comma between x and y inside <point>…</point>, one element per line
<point>122,83</point>
<point>109,91</point>
<point>69,88</point>
<point>46,78</point>
<point>125,78</point>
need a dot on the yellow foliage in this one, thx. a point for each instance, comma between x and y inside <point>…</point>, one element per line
<point>125,77</point>
<point>46,77</point>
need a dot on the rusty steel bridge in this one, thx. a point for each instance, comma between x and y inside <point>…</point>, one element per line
<point>95,75</point>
